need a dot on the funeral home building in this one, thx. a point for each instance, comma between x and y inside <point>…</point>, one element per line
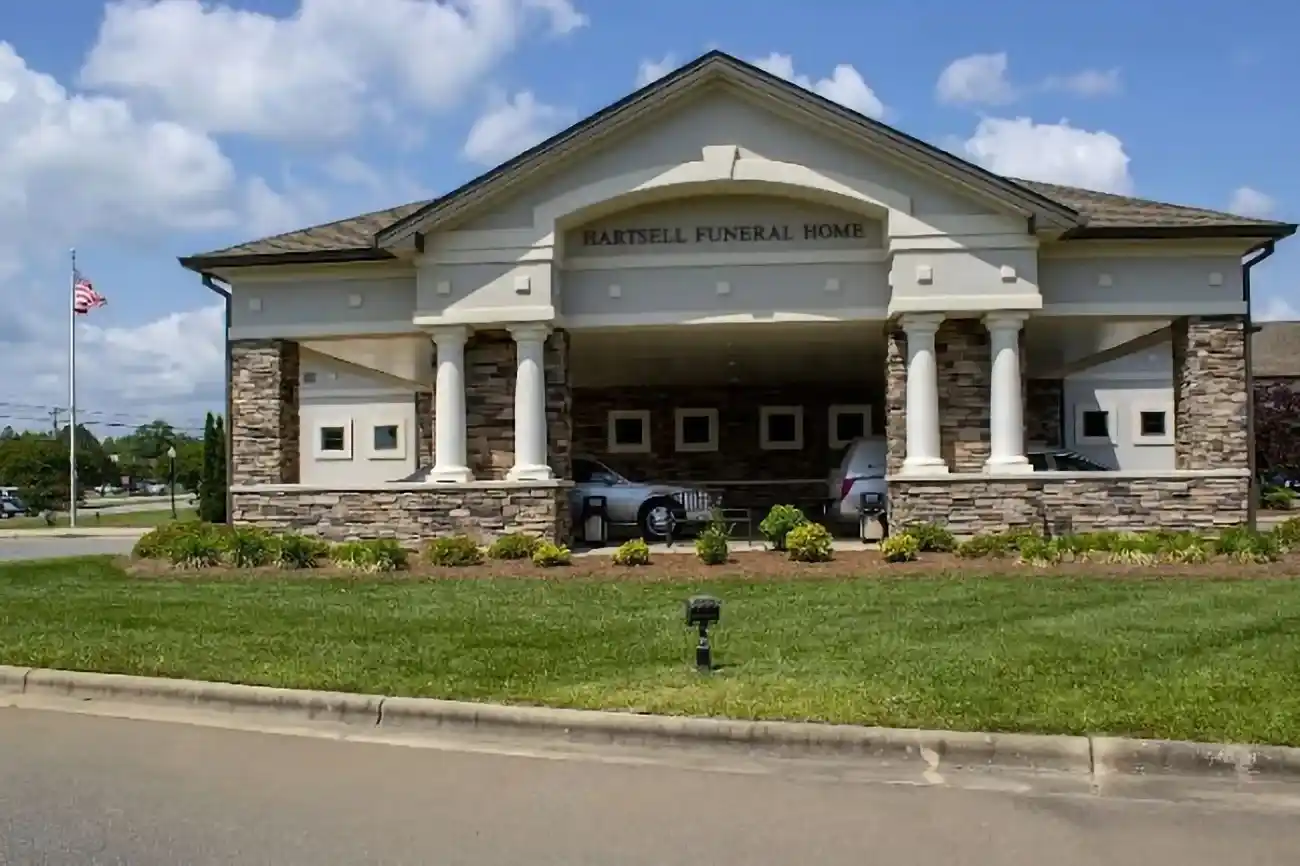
<point>720,281</point>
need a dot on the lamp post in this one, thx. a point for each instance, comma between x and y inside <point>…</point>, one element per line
<point>171,475</point>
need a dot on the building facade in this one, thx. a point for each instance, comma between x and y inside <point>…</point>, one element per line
<point>721,280</point>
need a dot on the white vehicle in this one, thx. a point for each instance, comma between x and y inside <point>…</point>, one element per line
<point>861,472</point>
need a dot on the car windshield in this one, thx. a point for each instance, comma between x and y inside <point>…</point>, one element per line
<point>590,472</point>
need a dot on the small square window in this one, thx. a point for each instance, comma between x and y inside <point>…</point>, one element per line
<point>697,429</point>
<point>386,437</point>
<point>309,378</point>
<point>781,428</point>
<point>848,423</point>
<point>1094,424</point>
<point>629,431</point>
<point>333,439</point>
<point>1152,423</point>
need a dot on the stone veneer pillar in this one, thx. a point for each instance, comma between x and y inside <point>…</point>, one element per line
<point>895,398</point>
<point>1006,395</point>
<point>449,410</point>
<point>962,346</point>
<point>530,404</point>
<point>922,415</point>
<point>424,428</point>
<point>264,424</point>
<point>1211,406</point>
<point>559,404</point>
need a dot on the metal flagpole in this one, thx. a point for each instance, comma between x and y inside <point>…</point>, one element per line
<point>72,393</point>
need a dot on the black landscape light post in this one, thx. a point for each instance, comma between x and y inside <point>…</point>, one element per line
<point>703,611</point>
<point>171,474</point>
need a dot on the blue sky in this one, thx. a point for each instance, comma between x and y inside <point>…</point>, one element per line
<point>138,131</point>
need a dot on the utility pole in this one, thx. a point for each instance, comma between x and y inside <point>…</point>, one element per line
<point>54,420</point>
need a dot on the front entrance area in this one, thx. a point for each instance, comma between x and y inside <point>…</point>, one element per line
<point>753,414</point>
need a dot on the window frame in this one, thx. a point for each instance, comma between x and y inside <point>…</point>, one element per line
<point>1080,425</point>
<point>833,416</point>
<point>613,446</point>
<point>319,451</point>
<point>1142,407</point>
<point>679,429</point>
<point>766,444</point>
<point>398,453</point>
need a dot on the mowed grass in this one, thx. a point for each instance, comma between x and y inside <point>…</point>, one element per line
<point>90,518</point>
<point>1197,659</point>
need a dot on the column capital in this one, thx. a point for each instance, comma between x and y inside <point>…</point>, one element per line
<point>921,323</point>
<point>450,335</point>
<point>1005,320</point>
<point>525,331</point>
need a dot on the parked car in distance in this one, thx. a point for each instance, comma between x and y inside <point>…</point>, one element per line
<point>652,508</point>
<point>861,472</point>
<point>1064,461</point>
<point>11,506</point>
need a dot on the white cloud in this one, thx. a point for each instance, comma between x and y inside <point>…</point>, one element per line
<point>1051,152</point>
<point>653,70</point>
<point>1087,83</point>
<point>271,212</point>
<point>1275,309</point>
<point>510,126</point>
<point>1250,202</point>
<point>845,85</point>
<point>977,79</point>
<point>317,73</point>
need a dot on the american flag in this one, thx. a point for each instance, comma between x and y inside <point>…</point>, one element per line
<point>84,296</point>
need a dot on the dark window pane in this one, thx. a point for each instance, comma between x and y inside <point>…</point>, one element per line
<point>628,431</point>
<point>697,429</point>
<point>781,427</point>
<point>331,439</point>
<point>1153,423</point>
<point>1096,424</point>
<point>582,471</point>
<point>1039,462</point>
<point>386,437</point>
<point>850,425</point>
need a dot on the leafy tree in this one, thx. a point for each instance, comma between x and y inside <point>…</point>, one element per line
<point>1277,427</point>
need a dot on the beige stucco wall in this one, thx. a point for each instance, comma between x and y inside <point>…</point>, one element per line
<point>323,300</point>
<point>1181,276</point>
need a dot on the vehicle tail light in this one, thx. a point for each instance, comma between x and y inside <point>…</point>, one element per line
<point>847,485</point>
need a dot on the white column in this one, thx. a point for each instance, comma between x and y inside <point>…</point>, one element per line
<point>530,404</point>
<point>1006,397</point>
<point>923,452</point>
<point>449,459</point>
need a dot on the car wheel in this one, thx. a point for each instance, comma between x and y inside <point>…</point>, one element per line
<point>656,518</point>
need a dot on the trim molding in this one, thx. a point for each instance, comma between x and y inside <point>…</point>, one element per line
<point>1049,477</point>
<point>321,331</point>
<point>927,303</point>
<point>625,320</point>
<point>399,487</point>
<point>1171,310</point>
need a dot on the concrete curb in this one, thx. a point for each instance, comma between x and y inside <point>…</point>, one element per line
<point>1095,756</point>
<point>79,532</point>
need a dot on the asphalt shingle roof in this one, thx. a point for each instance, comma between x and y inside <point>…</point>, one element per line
<point>1275,350</point>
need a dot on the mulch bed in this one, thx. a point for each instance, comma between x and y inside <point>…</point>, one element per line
<point>752,566</point>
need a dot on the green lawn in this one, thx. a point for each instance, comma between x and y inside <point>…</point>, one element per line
<point>92,518</point>
<point>1190,658</point>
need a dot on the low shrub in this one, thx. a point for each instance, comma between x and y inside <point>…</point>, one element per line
<point>516,545</point>
<point>453,551</point>
<point>711,545</point>
<point>251,547</point>
<point>932,537</point>
<point>632,553</point>
<point>301,551</point>
<point>199,548</point>
<point>985,545</point>
<point>1288,533</point>
<point>809,542</point>
<point>1039,551</point>
<point>900,547</point>
<point>374,555</point>
<point>1278,498</point>
<point>157,542</point>
<point>1247,545</point>
<point>779,522</point>
<point>548,555</point>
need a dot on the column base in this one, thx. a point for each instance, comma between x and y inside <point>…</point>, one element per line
<point>450,475</point>
<point>1008,466</point>
<point>530,473</point>
<point>924,466</point>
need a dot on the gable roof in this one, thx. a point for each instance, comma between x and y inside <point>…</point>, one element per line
<point>1087,213</point>
<point>1275,350</point>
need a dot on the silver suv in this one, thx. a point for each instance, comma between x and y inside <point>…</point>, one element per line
<point>654,509</point>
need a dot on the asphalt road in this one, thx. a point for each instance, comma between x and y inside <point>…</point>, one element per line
<point>78,789</point>
<point>29,547</point>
